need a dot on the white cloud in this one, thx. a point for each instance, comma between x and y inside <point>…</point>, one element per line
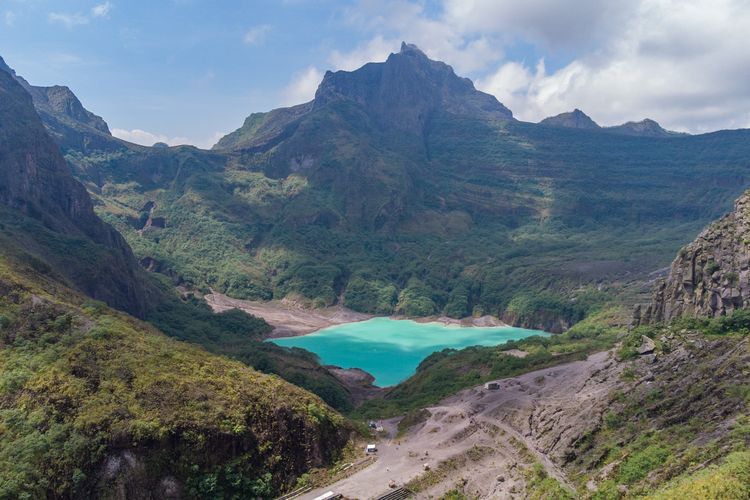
<point>9,17</point>
<point>393,21</point>
<point>68,20</point>
<point>681,62</point>
<point>377,49</point>
<point>102,9</point>
<point>302,87</point>
<point>684,64</point>
<point>555,23</point>
<point>146,138</point>
<point>257,34</point>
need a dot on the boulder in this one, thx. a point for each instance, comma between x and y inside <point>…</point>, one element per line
<point>647,346</point>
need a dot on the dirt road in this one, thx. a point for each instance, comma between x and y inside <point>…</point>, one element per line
<point>486,440</point>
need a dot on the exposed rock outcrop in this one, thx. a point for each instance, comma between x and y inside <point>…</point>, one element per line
<point>70,124</point>
<point>710,276</point>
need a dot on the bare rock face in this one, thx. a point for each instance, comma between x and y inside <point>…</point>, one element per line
<point>408,89</point>
<point>710,276</point>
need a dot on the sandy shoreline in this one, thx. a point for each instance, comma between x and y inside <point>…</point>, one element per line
<point>287,319</point>
<point>292,320</point>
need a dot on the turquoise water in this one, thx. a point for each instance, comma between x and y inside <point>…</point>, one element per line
<point>391,349</point>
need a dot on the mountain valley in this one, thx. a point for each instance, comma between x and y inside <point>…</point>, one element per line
<point>139,286</point>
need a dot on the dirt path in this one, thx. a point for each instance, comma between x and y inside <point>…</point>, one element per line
<point>486,440</point>
<point>288,320</point>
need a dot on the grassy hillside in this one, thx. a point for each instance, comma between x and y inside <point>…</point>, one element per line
<point>96,403</point>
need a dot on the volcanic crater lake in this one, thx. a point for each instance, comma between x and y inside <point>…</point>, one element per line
<point>391,349</point>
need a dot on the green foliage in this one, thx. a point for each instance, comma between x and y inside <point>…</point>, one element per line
<point>729,481</point>
<point>81,383</point>
<point>370,296</point>
<point>476,211</point>
<point>638,465</point>
<point>415,300</point>
<point>540,486</point>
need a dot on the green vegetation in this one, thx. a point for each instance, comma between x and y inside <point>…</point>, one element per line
<point>449,371</point>
<point>81,385</point>
<point>540,486</point>
<point>729,481</point>
<point>233,333</point>
<point>469,217</point>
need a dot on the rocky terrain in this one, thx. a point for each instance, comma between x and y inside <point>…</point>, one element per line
<point>575,430</point>
<point>710,276</point>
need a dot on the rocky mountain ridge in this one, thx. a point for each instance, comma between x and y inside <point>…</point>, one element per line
<point>35,179</point>
<point>404,92</point>
<point>579,120</point>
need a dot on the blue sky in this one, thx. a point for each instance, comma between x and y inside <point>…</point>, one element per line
<point>190,70</point>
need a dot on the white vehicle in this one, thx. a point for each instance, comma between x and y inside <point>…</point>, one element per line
<point>371,448</point>
<point>328,496</point>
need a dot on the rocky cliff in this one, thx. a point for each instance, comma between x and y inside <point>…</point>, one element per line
<point>71,125</point>
<point>35,180</point>
<point>710,276</point>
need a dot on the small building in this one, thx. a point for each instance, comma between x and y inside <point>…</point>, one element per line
<point>371,448</point>
<point>492,386</point>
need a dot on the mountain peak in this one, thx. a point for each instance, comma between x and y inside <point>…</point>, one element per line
<point>571,119</point>
<point>407,90</point>
<point>410,48</point>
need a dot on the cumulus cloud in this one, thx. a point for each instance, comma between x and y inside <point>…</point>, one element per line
<point>67,20</point>
<point>393,21</point>
<point>683,63</point>
<point>376,49</point>
<point>102,9</point>
<point>302,87</point>
<point>256,35</point>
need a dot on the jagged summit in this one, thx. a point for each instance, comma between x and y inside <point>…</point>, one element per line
<point>71,124</point>
<point>408,89</point>
<point>405,92</point>
<point>571,119</point>
<point>411,48</point>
